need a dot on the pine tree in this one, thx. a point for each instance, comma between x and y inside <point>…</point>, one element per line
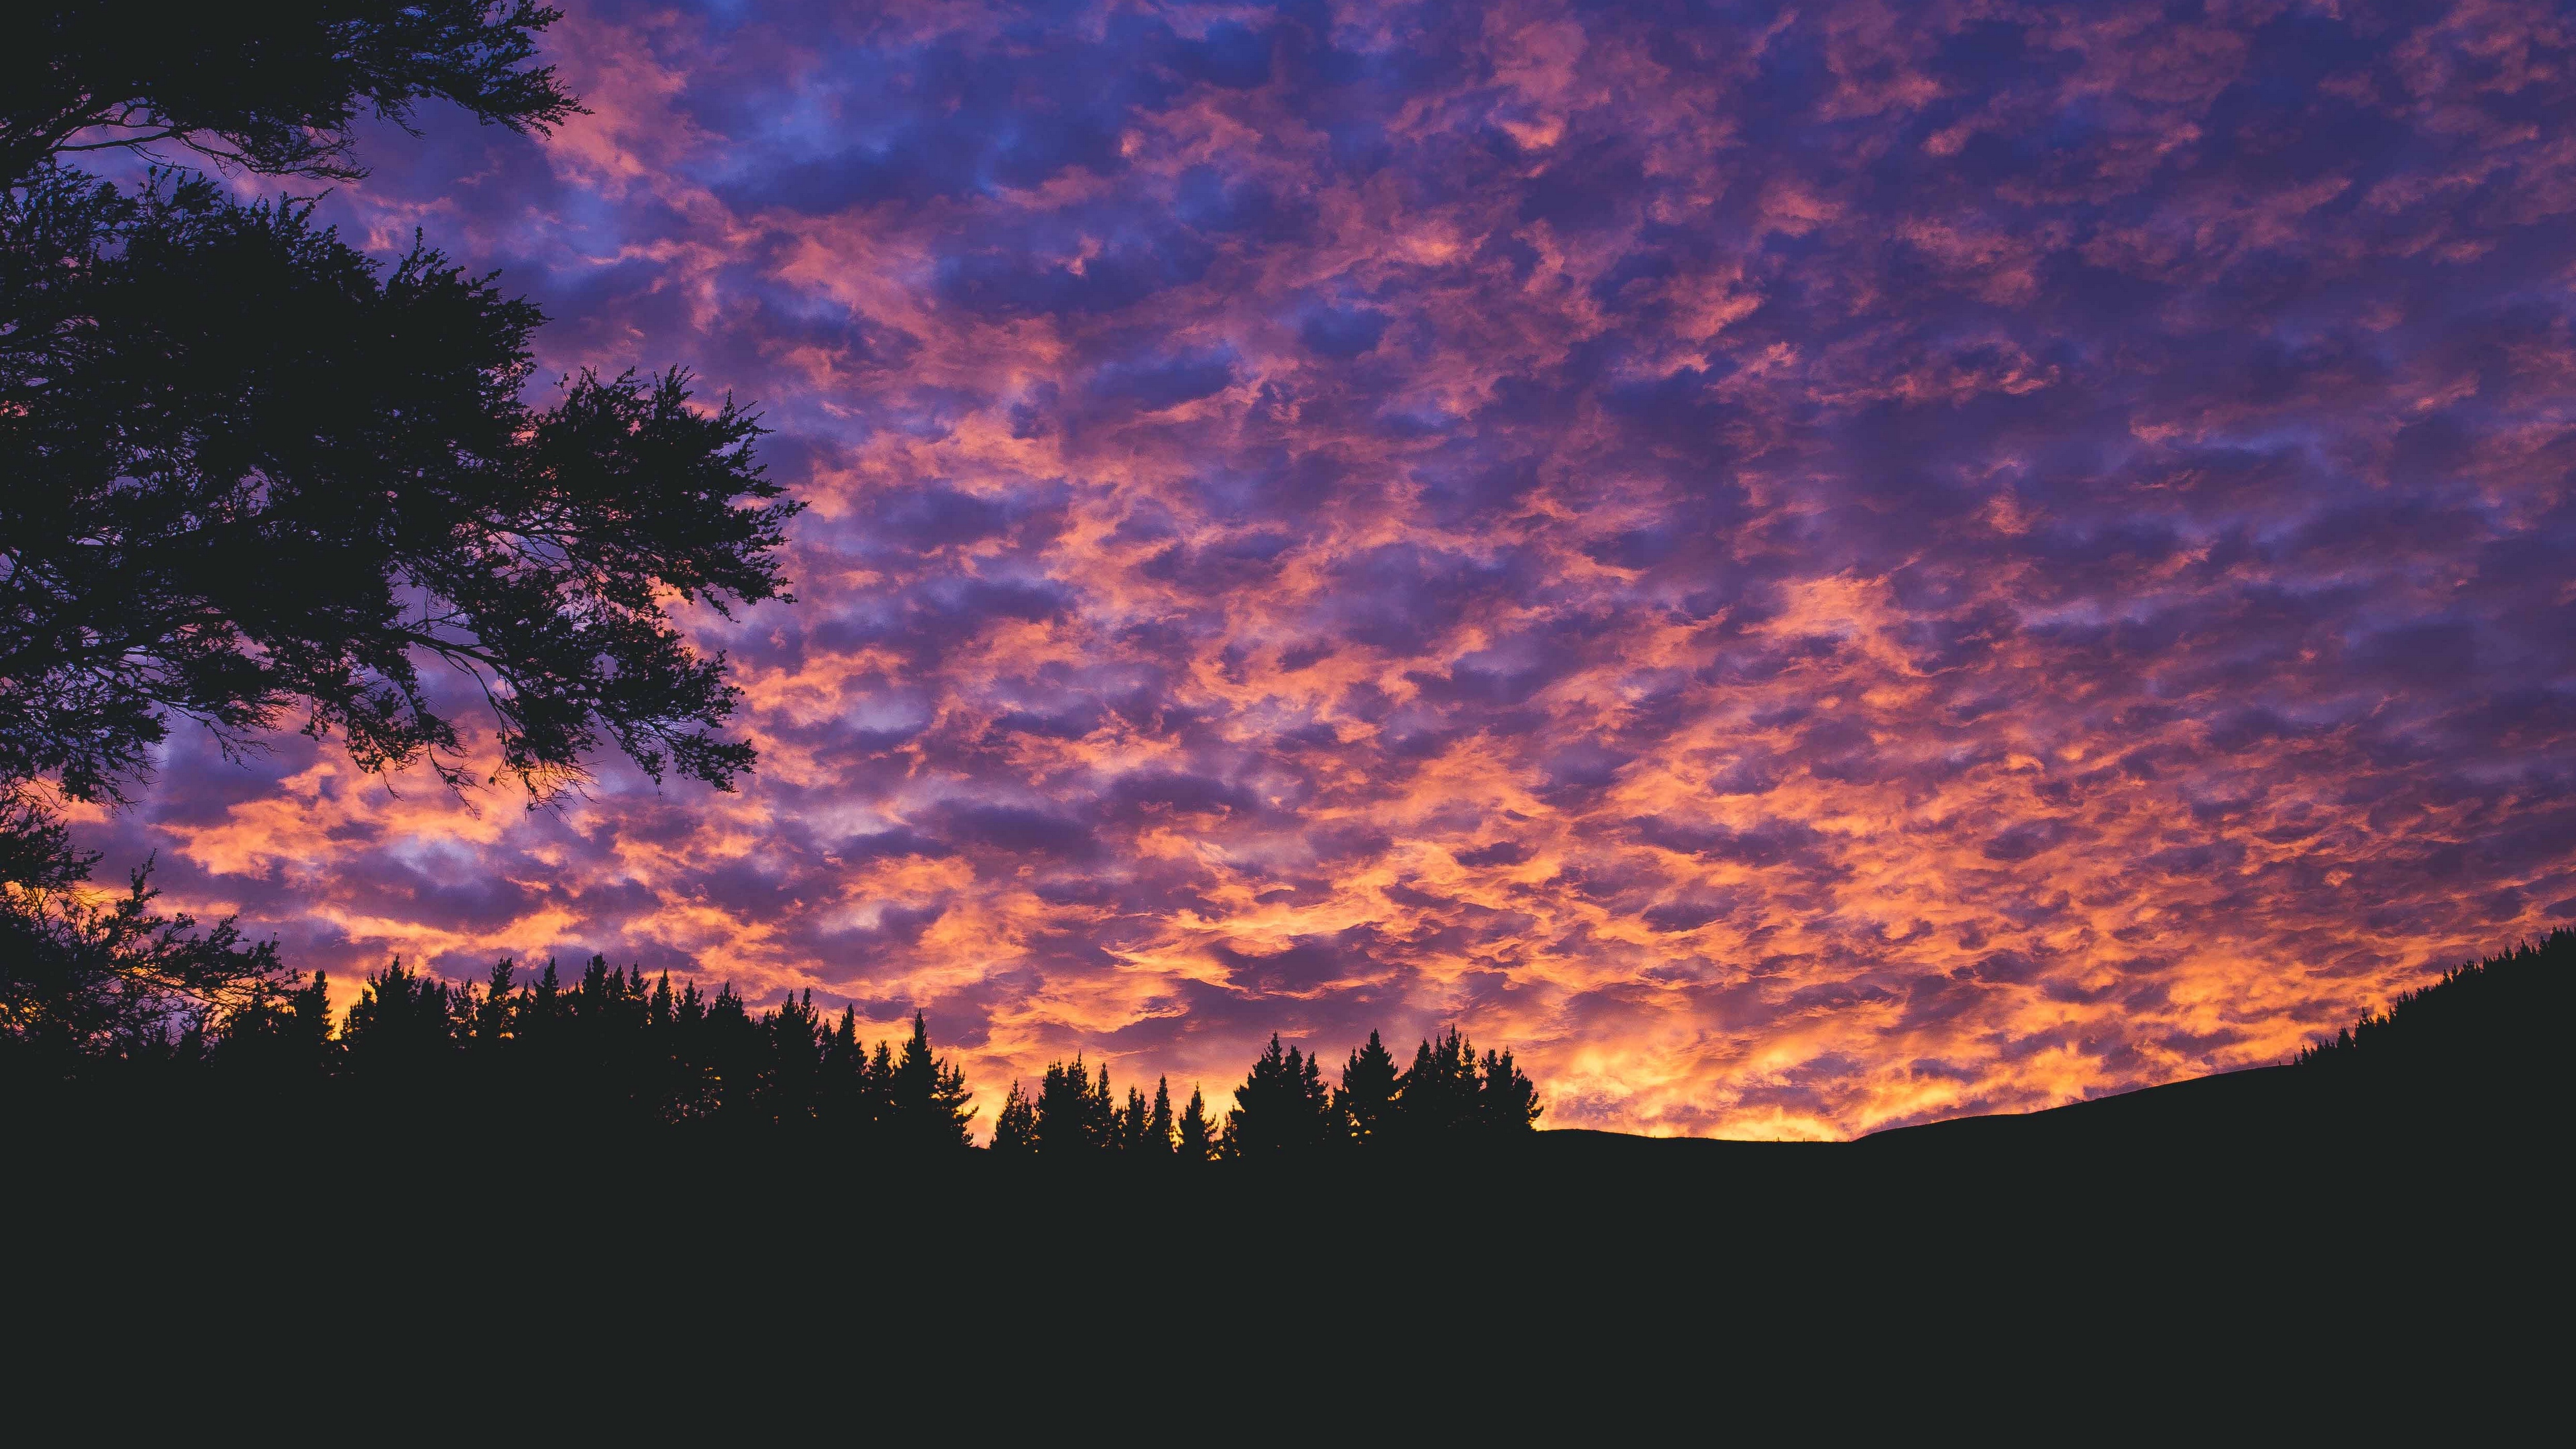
<point>693,1093</point>
<point>1130,1133</point>
<point>280,1039</point>
<point>881,1088</point>
<point>1015,1131</point>
<point>731,1043</point>
<point>794,1075</point>
<point>1159,1128</point>
<point>1100,1113</point>
<point>1282,1105</point>
<point>848,1099</point>
<point>1315,1126</point>
<point>664,1089</point>
<point>1196,1142</point>
<point>1437,1095</point>
<point>930,1097</point>
<point>1507,1104</point>
<point>1056,1128</point>
<point>491,1030</point>
<point>538,1017</point>
<point>399,1026</point>
<point>312,1007</point>
<point>1366,1101</point>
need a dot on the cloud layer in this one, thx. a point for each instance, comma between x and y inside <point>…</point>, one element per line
<point>1804,569</point>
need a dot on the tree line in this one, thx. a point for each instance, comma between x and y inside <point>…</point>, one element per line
<point>615,1051</point>
<point>2486,1029</point>
<point>1447,1098</point>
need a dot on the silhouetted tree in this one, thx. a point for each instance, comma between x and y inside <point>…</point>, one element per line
<point>853,1099</point>
<point>1282,1106</point>
<point>267,88</point>
<point>1196,1137</point>
<point>1160,1131</point>
<point>1015,1130</point>
<point>929,1107</point>
<point>1102,1111</point>
<point>82,979</point>
<point>399,1034</point>
<point>729,1046</point>
<point>1437,1094</point>
<point>256,478</point>
<point>792,1086</point>
<point>1073,1118</point>
<point>1134,1124</point>
<point>1365,1102</point>
<point>1507,1102</point>
<point>253,474</point>
<point>281,1039</point>
<point>489,1034</point>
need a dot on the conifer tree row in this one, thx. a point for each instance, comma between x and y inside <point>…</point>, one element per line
<point>1448,1097</point>
<point>614,1049</point>
<point>2483,1029</point>
<point>607,1049</point>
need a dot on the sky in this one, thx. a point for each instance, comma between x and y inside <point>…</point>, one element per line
<point>1804,568</point>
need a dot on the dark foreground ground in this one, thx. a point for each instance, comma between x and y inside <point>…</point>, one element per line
<point>2373,1244</point>
<point>2287,1177</point>
<point>2215,1259</point>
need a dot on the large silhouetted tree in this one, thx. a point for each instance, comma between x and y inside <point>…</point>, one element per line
<point>81,978</point>
<point>252,478</point>
<point>271,88</point>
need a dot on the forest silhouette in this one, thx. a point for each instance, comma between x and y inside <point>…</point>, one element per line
<point>613,1052</point>
<point>617,1055</point>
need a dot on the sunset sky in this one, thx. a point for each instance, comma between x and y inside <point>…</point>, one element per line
<point>1804,568</point>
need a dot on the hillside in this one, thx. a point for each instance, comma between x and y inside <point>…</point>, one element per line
<point>2474,1055</point>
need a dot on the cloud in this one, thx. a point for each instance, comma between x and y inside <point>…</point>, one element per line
<point>1802,571</point>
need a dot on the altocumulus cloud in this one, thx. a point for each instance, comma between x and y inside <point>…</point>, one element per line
<point>1803,568</point>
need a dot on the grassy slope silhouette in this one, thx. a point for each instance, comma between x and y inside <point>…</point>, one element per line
<point>2471,1059</point>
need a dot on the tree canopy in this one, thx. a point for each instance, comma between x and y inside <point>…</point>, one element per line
<point>220,518</point>
<point>272,88</point>
<point>258,479</point>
